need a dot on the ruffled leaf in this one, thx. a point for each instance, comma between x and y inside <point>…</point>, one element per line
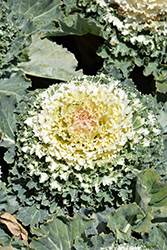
<point>8,119</point>
<point>151,194</point>
<point>49,60</point>
<point>59,232</point>
<point>11,91</point>
<point>124,221</point>
<point>161,84</point>
<point>3,197</point>
<point>31,215</point>
<point>15,85</point>
<point>76,24</point>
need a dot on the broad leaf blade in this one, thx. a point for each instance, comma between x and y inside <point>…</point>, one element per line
<point>11,92</point>
<point>76,25</point>
<point>49,60</point>
<point>8,119</point>
<point>155,190</point>
<point>59,232</point>
<point>124,220</point>
<point>3,197</point>
<point>31,215</point>
<point>16,85</point>
<point>41,13</point>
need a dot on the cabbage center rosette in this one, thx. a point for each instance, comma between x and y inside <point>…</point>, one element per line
<point>88,136</point>
<point>83,124</point>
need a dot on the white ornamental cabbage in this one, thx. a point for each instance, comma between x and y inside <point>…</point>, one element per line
<point>137,15</point>
<point>83,124</point>
<point>89,132</point>
<point>142,10</point>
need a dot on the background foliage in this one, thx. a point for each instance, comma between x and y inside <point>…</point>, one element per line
<point>45,42</point>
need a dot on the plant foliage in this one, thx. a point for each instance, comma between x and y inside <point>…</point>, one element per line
<point>91,195</point>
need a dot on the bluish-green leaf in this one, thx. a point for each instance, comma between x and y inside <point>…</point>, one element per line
<point>59,232</point>
<point>49,60</point>
<point>8,119</point>
<point>31,215</point>
<point>150,191</point>
<point>124,221</point>
<point>3,197</point>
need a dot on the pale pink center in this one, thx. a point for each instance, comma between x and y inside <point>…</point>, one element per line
<point>84,120</point>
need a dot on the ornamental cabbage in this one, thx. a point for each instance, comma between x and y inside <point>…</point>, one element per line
<point>141,10</point>
<point>88,136</point>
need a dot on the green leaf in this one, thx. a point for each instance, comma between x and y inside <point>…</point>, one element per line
<point>41,13</point>
<point>76,25</point>
<point>102,240</point>
<point>161,84</point>
<point>162,118</point>
<point>3,197</point>
<point>156,237</point>
<point>150,192</point>
<point>4,237</point>
<point>59,232</point>
<point>8,119</point>
<point>11,92</point>
<point>124,220</point>
<point>49,60</point>
<point>7,248</point>
<point>16,85</point>
<point>31,215</point>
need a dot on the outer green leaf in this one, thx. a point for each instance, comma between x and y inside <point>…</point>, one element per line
<point>123,221</point>
<point>161,81</point>
<point>41,13</point>
<point>161,86</point>
<point>8,119</point>
<point>59,232</point>
<point>49,60</point>
<point>76,25</point>
<point>11,91</point>
<point>156,238</point>
<point>98,241</point>
<point>15,85</point>
<point>31,215</point>
<point>4,238</point>
<point>3,196</point>
<point>150,192</point>
<point>162,118</point>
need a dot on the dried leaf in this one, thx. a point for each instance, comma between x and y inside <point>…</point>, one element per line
<point>13,226</point>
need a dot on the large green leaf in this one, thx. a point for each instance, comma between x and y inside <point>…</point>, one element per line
<point>59,232</point>
<point>16,85</point>
<point>4,237</point>
<point>20,19</point>
<point>8,119</point>
<point>162,118</point>
<point>34,15</point>
<point>76,24</point>
<point>11,91</point>
<point>49,60</point>
<point>156,237</point>
<point>126,219</point>
<point>31,215</point>
<point>149,191</point>
<point>3,197</point>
